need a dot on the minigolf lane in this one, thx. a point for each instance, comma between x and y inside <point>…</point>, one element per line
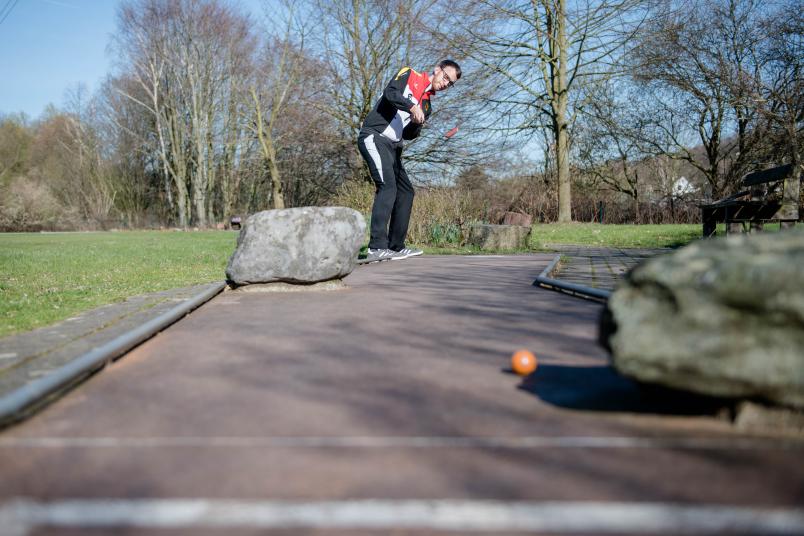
<point>385,405</point>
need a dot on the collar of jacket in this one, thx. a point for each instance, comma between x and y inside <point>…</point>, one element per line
<point>420,85</point>
<point>428,90</point>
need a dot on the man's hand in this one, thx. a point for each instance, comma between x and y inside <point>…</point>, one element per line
<point>417,114</point>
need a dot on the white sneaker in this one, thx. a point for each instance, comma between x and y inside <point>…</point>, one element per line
<point>404,253</point>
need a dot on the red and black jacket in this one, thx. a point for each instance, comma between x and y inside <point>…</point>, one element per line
<point>391,116</point>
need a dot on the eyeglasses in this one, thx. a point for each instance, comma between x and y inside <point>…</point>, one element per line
<point>450,82</point>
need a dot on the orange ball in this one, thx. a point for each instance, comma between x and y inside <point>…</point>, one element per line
<point>523,362</point>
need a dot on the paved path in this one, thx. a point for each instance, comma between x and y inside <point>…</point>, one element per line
<point>27,356</point>
<point>388,405</point>
<point>599,267</point>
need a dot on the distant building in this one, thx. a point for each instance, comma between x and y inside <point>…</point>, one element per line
<point>683,187</point>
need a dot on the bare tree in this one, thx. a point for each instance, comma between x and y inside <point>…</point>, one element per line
<point>313,161</point>
<point>543,52</point>
<point>279,81</point>
<point>702,66</point>
<point>185,56</point>
<point>143,40</point>
<point>231,143</point>
<point>87,185</point>
<point>15,142</point>
<point>781,98</point>
<point>128,132</point>
<point>606,146</point>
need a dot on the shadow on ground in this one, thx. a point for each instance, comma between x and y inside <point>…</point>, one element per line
<point>601,388</point>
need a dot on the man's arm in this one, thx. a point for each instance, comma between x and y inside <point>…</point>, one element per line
<point>395,91</point>
<point>395,94</point>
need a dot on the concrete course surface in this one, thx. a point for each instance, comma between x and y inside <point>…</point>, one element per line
<point>24,357</point>
<point>387,407</point>
<point>599,267</point>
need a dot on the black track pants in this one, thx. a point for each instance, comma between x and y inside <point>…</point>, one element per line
<point>393,199</point>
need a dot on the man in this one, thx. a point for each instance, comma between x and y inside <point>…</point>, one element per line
<point>397,116</point>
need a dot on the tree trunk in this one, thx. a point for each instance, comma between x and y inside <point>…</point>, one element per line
<point>181,201</point>
<point>560,99</point>
<point>277,196</point>
<point>265,138</point>
<point>563,169</point>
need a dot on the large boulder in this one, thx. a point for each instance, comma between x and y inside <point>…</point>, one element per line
<point>297,245</point>
<point>517,218</point>
<point>721,317</point>
<point>499,237</point>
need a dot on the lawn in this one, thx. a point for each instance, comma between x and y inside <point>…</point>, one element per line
<point>620,236</point>
<point>545,236</point>
<point>52,276</point>
<point>48,277</point>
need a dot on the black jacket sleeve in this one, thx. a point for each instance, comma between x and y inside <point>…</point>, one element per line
<point>395,91</point>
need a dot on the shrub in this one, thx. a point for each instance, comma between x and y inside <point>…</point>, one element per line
<point>358,195</point>
<point>440,215</point>
<point>27,205</point>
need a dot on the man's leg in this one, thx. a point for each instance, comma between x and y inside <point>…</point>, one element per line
<point>380,156</point>
<point>400,215</point>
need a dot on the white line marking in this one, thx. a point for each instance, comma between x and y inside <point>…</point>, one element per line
<point>368,142</point>
<point>10,355</point>
<point>556,517</point>
<point>528,442</point>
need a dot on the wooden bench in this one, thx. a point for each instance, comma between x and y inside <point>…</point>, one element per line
<point>769,195</point>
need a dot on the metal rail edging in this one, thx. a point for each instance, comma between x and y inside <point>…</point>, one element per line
<point>15,405</point>
<point>544,280</point>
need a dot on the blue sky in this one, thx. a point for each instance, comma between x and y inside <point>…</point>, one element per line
<point>50,46</point>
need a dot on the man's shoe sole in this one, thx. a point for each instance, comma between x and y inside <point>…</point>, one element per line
<point>371,261</point>
<point>400,257</point>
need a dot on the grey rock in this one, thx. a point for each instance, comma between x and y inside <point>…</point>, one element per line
<point>280,286</point>
<point>721,317</point>
<point>499,237</point>
<point>297,245</point>
<point>517,218</point>
<point>758,418</point>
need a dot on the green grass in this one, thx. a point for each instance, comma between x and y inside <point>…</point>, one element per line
<point>45,278</point>
<point>544,236</point>
<point>621,236</point>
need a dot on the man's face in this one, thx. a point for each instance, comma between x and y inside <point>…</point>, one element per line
<point>444,78</point>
